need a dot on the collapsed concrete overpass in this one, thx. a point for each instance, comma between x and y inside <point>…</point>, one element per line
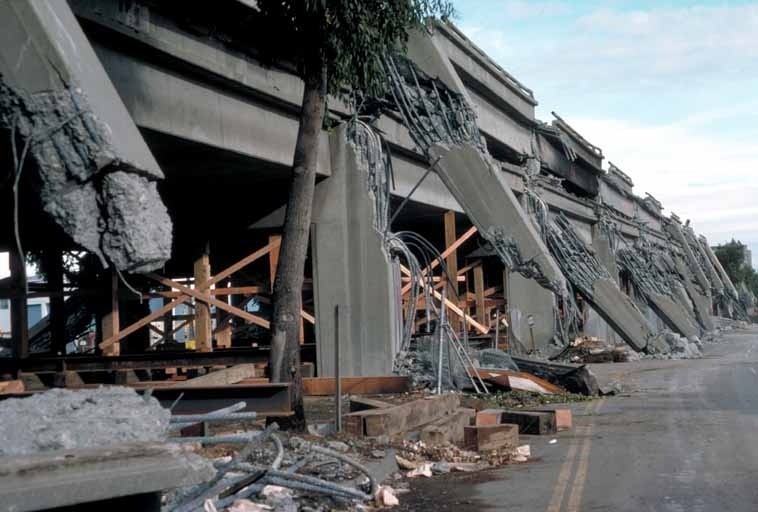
<point>222,127</point>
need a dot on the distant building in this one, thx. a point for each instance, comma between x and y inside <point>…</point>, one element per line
<point>37,308</point>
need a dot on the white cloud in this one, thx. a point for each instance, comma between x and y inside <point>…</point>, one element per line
<point>493,42</point>
<point>521,9</point>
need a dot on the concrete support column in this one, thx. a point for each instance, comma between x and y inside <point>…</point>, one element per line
<point>352,269</point>
<point>526,297</point>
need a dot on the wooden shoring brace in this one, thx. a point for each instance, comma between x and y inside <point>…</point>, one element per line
<point>203,335</point>
<point>451,262</point>
<point>188,293</point>
<point>451,306</point>
<point>110,323</point>
<point>454,246</point>
<point>479,294</point>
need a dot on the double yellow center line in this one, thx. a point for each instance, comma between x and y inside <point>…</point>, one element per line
<point>579,445</point>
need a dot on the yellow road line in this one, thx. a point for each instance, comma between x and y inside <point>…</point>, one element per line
<point>565,474</point>
<point>563,478</point>
<point>575,498</point>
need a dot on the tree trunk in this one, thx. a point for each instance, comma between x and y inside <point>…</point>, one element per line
<point>284,362</point>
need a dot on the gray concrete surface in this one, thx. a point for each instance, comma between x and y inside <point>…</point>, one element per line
<point>351,269</point>
<point>61,419</point>
<point>682,436</point>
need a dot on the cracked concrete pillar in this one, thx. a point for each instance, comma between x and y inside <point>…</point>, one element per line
<point>526,297</point>
<point>352,269</point>
<point>674,228</point>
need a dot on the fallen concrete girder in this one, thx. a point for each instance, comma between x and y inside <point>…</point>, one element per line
<point>97,177</point>
<point>701,303</point>
<point>717,285</point>
<point>652,282</point>
<point>495,211</point>
<point>596,285</point>
<point>436,110</point>
<point>730,291</point>
<point>674,228</point>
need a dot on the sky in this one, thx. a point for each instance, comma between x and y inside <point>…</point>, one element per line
<point>667,89</point>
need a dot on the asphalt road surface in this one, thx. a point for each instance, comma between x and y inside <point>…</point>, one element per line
<point>681,437</point>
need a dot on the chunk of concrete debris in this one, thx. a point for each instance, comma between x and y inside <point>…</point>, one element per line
<point>86,418</point>
<point>404,463</point>
<point>338,446</point>
<point>531,422</point>
<point>573,378</point>
<point>385,497</point>
<point>448,428</point>
<point>279,498</point>
<point>248,506</point>
<point>491,437</point>
<point>522,453</point>
<point>424,469</point>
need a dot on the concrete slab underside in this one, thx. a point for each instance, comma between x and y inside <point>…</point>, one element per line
<point>352,269</point>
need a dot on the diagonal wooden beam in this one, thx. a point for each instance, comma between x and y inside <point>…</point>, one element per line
<point>454,246</point>
<point>274,243</point>
<point>209,300</point>
<point>452,307</point>
<point>142,322</point>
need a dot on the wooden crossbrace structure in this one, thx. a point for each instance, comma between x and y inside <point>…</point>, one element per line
<point>203,294</point>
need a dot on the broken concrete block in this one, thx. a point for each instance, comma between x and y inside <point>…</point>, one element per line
<point>448,428</point>
<point>531,422</point>
<point>562,417</point>
<point>491,437</point>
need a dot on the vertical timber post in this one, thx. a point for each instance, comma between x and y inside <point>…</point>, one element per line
<point>54,266</point>
<point>203,334</point>
<point>452,264</point>
<point>507,294</point>
<point>110,323</point>
<point>481,314</point>
<point>19,321</point>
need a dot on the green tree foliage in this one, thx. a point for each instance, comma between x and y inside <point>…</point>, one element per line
<point>731,255</point>
<point>344,37</point>
<point>336,47</point>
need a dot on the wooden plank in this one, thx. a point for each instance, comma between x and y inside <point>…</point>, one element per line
<point>384,384</point>
<point>468,267</point>
<point>110,323</point>
<point>8,387</point>
<point>273,258</point>
<point>408,416</point>
<point>362,403</point>
<point>479,294</point>
<point>57,323</point>
<point>142,322</point>
<point>451,262</point>
<point>448,429</point>
<point>243,263</point>
<point>210,300</point>
<point>230,290</point>
<point>483,438</point>
<point>531,422</point>
<point>452,307</point>
<point>203,335</point>
<point>231,375</point>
